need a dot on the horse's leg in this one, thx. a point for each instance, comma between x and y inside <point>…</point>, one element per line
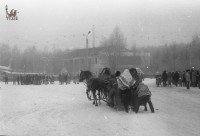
<point>99,93</point>
<point>95,97</point>
<point>87,93</point>
<point>96,100</point>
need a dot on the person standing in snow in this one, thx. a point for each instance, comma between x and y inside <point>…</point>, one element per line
<point>123,81</point>
<point>176,78</point>
<point>164,77</point>
<point>140,93</point>
<point>187,78</point>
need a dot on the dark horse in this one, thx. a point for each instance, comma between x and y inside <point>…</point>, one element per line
<point>93,84</point>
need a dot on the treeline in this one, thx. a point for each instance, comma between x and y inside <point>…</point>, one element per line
<point>32,59</point>
<point>168,57</point>
<point>175,56</point>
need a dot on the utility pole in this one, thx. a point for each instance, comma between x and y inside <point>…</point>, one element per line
<point>87,52</point>
<point>93,35</point>
<point>190,56</point>
<point>174,57</point>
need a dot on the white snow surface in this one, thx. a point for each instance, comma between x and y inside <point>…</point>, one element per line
<point>64,110</point>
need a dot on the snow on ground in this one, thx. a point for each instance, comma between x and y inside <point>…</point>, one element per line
<point>64,110</point>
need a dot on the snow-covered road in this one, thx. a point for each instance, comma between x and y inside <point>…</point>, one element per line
<point>64,110</point>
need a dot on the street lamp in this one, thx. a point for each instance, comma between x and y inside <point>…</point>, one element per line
<point>86,36</point>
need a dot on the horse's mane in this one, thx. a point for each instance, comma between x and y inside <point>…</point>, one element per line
<point>88,74</point>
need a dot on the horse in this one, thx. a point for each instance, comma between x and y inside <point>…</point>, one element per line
<point>93,84</point>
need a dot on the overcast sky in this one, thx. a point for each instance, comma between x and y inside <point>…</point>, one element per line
<point>62,23</point>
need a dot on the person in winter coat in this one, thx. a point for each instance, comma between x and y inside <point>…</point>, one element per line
<point>112,87</point>
<point>176,78</point>
<point>164,77</point>
<point>184,80</point>
<point>123,81</point>
<point>169,78</point>
<point>141,93</point>
<point>187,78</point>
<point>194,74</point>
<point>198,79</point>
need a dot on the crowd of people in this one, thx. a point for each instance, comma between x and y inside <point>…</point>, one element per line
<point>188,78</point>
<point>27,79</point>
<point>64,78</point>
<point>38,78</point>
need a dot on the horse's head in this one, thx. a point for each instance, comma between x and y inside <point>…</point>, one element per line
<point>81,76</point>
<point>85,75</point>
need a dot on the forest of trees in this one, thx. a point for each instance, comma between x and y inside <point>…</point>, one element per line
<point>175,56</point>
<point>114,46</point>
<point>167,57</point>
<point>32,60</point>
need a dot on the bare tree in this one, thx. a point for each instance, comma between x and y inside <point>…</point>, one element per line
<point>195,49</point>
<point>15,58</point>
<point>134,49</point>
<point>114,47</point>
<point>5,55</point>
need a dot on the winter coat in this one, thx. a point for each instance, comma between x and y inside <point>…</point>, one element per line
<point>176,77</point>
<point>194,76</point>
<point>187,76</point>
<point>122,83</point>
<point>125,80</point>
<point>164,76</point>
<point>142,90</point>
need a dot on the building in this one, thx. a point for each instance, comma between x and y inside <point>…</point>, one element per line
<point>95,59</point>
